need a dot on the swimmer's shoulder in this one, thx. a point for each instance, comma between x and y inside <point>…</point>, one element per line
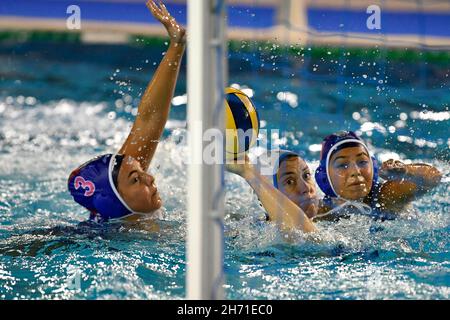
<point>151,226</point>
<point>143,223</point>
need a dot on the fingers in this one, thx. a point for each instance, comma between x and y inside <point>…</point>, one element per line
<point>151,5</point>
<point>158,10</point>
<point>161,13</point>
<point>389,164</point>
<point>163,8</point>
<point>394,164</point>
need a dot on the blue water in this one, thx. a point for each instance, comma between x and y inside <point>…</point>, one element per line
<point>61,104</point>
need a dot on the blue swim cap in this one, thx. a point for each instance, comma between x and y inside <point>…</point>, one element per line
<point>93,185</point>
<point>282,155</point>
<point>332,144</point>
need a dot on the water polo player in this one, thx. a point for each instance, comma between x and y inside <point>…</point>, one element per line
<point>289,197</point>
<point>293,178</point>
<point>349,176</point>
<point>114,186</point>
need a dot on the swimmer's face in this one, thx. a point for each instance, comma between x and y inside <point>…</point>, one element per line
<point>137,187</point>
<point>295,181</point>
<point>351,173</point>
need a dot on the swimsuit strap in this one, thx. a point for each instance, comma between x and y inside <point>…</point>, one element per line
<point>363,208</point>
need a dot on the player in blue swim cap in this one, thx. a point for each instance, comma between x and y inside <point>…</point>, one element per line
<point>288,195</point>
<point>114,186</point>
<point>293,177</point>
<point>349,175</point>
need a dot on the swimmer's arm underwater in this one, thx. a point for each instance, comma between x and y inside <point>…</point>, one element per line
<point>154,107</point>
<point>405,182</point>
<point>279,207</point>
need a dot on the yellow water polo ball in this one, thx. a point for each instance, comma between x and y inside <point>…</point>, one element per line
<point>241,123</point>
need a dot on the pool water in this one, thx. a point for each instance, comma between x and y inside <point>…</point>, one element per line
<point>61,104</point>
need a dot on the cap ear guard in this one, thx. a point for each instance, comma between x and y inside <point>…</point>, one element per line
<point>322,180</point>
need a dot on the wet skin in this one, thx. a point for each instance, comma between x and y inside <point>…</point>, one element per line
<point>296,182</point>
<point>137,187</point>
<point>351,173</point>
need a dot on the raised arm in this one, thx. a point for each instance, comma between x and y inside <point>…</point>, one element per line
<point>279,207</point>
<point>154,107</point>
<point>405,182</point>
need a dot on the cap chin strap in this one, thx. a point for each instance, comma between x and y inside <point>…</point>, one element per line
<point>363,208</point>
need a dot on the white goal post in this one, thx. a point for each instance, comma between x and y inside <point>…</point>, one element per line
<point>206,64</point>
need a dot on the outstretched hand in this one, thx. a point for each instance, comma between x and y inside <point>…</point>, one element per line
<point>176,32</point>
<point>392,170</point>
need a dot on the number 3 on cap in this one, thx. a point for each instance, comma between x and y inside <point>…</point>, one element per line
<point>87,185</point>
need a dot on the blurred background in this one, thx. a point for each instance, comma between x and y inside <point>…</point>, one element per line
<point>319,58</point>
<point>423,22</point>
